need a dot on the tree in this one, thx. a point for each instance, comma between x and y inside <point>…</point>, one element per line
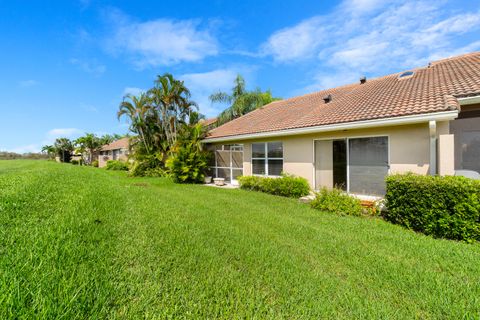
<point>139,111</point>
<point>64,148</point>
<point>50,151</point>
<point>240,100</point>
<point>89,144</point>
<point>171,100</point>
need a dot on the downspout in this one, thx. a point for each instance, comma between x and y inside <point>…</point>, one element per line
<point>432,125</point>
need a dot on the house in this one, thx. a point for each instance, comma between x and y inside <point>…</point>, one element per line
<point>209,123</point>
<point>117,150</point>
<point>424,120</point>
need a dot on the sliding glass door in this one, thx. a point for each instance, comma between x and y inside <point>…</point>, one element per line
<point>356,165</point>
<point>367,165</point>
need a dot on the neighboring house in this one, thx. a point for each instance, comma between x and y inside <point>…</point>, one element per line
<point>209,123</point>
<point>425,120</point>
<point>117,150</point>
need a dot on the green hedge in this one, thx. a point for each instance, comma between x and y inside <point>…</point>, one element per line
<point>117,165</point>
<point>337,201</point>
<point>444,207</point>
<point>285,186</point>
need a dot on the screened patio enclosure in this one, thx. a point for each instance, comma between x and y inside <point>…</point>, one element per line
<point>228,162</point>
<point>466,130</point>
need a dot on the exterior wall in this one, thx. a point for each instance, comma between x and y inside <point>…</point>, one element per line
<point>446,155</point>
<point>103,159</point>
<point>409,149</point>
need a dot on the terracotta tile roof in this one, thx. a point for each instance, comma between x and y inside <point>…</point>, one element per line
<point>208,122</point>
<point>118,144</point>
<point>430,89</point>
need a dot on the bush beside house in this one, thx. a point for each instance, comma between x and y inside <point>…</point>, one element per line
<point>117,165</point>
<point>337,201</point>
<point>285,186</point>
<point>444,207</point>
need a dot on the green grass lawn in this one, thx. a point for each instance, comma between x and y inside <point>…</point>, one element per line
<point>80,242</point>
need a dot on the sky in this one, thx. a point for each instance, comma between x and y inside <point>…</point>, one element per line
<point>66,65</point>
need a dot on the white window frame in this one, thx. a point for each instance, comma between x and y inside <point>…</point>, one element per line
<point>266,158</point>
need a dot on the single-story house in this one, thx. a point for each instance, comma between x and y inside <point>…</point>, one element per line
<point>117,150</point>
<point>425,120</point>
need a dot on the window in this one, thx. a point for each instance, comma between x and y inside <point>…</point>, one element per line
<point>267,158</point>
<point>406,74</point>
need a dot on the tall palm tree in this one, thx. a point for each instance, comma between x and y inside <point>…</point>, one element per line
<point>240,100</point>
<point>171,99</point>
<point>139,110</point>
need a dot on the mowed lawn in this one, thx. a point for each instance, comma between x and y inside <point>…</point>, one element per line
<point>81,242</point>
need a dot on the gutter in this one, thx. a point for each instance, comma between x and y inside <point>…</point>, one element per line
<point>418,118</point>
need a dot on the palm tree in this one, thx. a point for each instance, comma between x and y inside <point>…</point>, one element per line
<point>240,100</point>
<point>139,111</point>
<point>64,148</point>
<point>49,150</point>
<point>171,99</point>
<point>89,144</point>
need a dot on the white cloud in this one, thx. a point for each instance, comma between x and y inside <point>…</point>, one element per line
<point>161,41</point>
<point>132,90</point>
<point>374,38</point>
<point>202,85</point>
<point>63,133</point>
<point>28,83</point>
<point>297,42</point>
<point>92,67</point>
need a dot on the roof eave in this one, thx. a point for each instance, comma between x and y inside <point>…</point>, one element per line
<point>402,120</point>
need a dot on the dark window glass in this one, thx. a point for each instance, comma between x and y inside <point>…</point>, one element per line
<point>258,150</point>
<point>275,167</point>
<point>275,150</point>
<point>258,167</point>
<point>340,164</point>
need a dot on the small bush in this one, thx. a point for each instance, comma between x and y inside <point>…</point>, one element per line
<point>337,201</point>
<point>95,163</point>
<point>187,164</point>
<point>148,166</point>
<point>75,162</point>
<point>117,165</point>
<point>285,186</point>
<point>444,207</point>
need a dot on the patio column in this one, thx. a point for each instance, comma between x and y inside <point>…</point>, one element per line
<point>446,155</point>
<point>432,125</point>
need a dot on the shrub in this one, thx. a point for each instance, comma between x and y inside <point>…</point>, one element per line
<point>95,163</point>
<point>446,207</point>
<point>187,164</point>
<point>285,186</point>
<point>75,162</point>
<point>117,165</point>
<point>148,166</point>
<point>337,201</point>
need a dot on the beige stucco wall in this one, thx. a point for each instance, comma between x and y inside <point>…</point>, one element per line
<point>409,148</point>
<point>446,155</point>
<point>103,159</point>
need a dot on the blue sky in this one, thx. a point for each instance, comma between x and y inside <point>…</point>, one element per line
<point>65,65</point>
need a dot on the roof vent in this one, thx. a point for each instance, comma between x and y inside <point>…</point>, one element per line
<point>327,98</point>
<point>363,80</point>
